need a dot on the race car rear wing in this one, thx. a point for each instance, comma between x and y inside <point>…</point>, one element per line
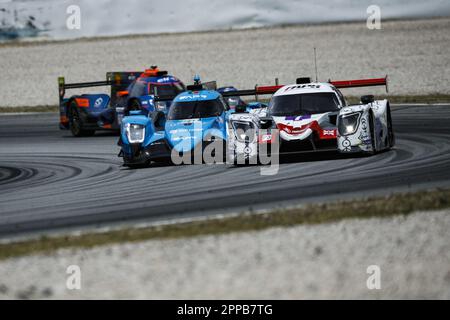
<point>361,83</point>
<point>118,81</point>
<point>266,90</point>
<point>262,90</point>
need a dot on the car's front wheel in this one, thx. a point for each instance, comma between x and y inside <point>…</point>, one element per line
<point>391,135</point>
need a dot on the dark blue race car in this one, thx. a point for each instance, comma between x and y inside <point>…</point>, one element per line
<point>130,91</point>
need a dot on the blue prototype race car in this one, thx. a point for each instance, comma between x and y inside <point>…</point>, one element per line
<point>197,120</point>
<point>86,113</point>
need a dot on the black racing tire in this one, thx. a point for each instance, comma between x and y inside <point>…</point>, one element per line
<point>76,123</point>
<point>391,134</point>
<point>136,166</point>
<point>372,132</point>
<point>163,162</point>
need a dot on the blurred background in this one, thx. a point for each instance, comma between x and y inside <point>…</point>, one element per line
<point>47,18</point>
<point>239,43</point>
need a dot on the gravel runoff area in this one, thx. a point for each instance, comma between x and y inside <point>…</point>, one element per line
<point>415,54</point>
<point>300,262</point>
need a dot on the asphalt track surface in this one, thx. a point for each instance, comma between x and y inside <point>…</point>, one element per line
<point>52,181</point>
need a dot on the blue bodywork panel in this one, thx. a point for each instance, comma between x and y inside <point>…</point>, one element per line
<point>97,102</point>
<point>185,135</point>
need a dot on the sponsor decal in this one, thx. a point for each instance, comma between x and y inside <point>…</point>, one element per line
<point>298,118</point>
<point>295,130</point>
<point>98,102</point>
<point>313,125</point>
<point>265,138</point>
<point>247,118</point>
<point>363,123</point>
<point>166,79</point>
<point>346,145</point>
<point>193,96</point>
<point>328,134</point>
<point>82,102</point>
<point>364,136</point>
<point>184,130</point>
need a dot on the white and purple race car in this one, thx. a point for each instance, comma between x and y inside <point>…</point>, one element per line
<point>312,116</point>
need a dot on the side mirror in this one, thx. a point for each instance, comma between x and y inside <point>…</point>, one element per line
<point>367,99</point>
<point>265,123</point>
<point>240,108</point>
<point>158,119</point>
<point>122,93</point>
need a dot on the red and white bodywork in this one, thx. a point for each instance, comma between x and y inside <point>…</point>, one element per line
<point>310,117</point>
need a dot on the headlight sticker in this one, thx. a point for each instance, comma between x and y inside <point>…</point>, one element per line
<point>346,144</point>
<point>348,123</point>
<point>135,133</point>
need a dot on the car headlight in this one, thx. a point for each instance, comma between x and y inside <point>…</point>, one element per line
<point>244,131</point>
<point>348,123</point>
<point>160,105</point>
<point>135,132</point>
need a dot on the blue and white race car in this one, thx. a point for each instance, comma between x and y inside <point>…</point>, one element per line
<point>195,129</point>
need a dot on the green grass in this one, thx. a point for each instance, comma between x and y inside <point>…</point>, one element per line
<point>398,204</point>
<point>29,109</point>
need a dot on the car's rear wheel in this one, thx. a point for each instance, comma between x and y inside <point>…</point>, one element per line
<point>372,133</point>
<point>391,135</point>
<point>76,122</point>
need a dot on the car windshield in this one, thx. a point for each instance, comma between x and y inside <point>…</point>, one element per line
<point>169,89</point>
<point>138,88</point>
<point>303,104</point>
<point>195,109</point>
